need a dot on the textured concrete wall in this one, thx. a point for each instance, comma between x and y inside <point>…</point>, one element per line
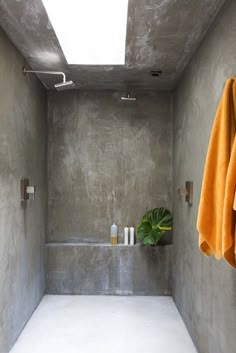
<point>22,227</point>
<point>107,160</point>
<point>204,289</point>
<point>177,26</point>
<point>105,269</point>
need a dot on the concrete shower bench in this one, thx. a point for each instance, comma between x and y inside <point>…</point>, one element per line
<point>99,268</point>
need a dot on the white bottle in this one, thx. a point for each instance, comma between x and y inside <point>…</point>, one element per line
<point>126,235</point>
<point>131,234</point>
<point>114,234</point>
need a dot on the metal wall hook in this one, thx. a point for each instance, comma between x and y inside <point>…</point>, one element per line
<point>27,190</point>
<point>187,192</point>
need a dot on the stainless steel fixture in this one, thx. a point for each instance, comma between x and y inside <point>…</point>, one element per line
<point>187,192</point>
<point>128,98</point>
<point>27,189</point>
<point>59,86</point>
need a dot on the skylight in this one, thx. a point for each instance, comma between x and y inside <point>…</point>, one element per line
<point>90,32</point>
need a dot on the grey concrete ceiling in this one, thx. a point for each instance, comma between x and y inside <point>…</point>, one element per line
<point>161,34</point>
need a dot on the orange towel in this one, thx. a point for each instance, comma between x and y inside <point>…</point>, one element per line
<point>216,217</point>
<point>234,207</point>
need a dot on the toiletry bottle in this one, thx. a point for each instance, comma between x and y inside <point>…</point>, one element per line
<point>114,234</point>
<point>131,235</point>
<point>126,235</point>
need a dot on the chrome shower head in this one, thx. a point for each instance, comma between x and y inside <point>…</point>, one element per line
<point>128,98</point>
<point>64,85</point>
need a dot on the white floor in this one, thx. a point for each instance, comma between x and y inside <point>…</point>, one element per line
<point>105,324</point>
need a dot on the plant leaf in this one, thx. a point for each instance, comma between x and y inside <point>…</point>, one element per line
<point>153,226</point>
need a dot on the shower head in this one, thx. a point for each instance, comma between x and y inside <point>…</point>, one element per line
<point>64,85</point>
<point>128,98</point>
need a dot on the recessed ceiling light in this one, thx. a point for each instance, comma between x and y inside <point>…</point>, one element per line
<point>90,32</point>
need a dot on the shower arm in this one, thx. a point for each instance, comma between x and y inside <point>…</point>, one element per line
<point>47,73</point>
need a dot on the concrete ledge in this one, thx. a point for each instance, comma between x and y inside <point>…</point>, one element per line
<point>99,268</point>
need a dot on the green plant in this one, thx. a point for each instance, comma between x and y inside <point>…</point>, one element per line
<point>154,225</point>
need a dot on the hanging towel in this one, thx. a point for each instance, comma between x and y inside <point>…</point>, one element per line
<point>216,217</point>
<point>234,207</point>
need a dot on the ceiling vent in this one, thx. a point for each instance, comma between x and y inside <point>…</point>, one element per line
<point>156,73</point>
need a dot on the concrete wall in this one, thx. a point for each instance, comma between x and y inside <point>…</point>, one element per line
<point>108,160</point>
<point>204,289</point>
<point>22,226</point>
<point>104,269</point>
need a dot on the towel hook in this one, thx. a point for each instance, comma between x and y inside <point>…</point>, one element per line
<point>187,192</point>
